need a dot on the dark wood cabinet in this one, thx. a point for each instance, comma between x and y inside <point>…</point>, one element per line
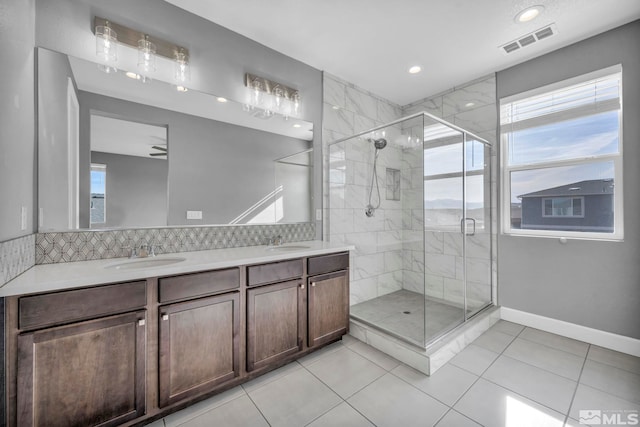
<point>199,345</point>
<point>90,373</point>
<point>128,353</point>
<point>275,322</point>
<point>328,307</point>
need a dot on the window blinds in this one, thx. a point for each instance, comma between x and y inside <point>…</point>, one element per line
<point>595,95</point>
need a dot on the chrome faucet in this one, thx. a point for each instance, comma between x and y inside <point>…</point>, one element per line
<point>274,240</point>
<point>146,250</point>
<point>143,251</point>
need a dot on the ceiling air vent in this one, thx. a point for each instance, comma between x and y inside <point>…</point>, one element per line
<point>544,33</point>
<point>529,39</point>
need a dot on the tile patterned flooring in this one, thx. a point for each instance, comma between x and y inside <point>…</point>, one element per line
<point>509,376</point>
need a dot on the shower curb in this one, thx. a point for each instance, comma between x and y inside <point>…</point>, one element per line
<point>428,360</point>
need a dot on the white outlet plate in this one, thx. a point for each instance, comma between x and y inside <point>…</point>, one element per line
<point>23,218</point>
<point>318,214</point>
<point>194,214</point>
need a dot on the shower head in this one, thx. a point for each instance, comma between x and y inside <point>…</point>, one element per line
<point>379,143</point>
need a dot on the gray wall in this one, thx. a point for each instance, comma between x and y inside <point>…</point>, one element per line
<point>53,150</point>
<point>17,117</point>
<point>590,283</point>
<point>136,190</point>
<point>214,167</point>
<point>219,57</point>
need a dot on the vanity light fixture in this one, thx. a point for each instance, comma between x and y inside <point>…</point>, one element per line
<point>109,34</point>
<point>106,46</point>
<point>529,14</point>
<point>146,56</point>
<point>266,98</point>
<point>181,67</point>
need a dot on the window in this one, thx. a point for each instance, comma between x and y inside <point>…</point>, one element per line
<point>563,206</point>
<point>561,152</point>
<point>98,214</point>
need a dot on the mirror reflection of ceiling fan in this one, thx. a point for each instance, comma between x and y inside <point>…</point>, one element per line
<point>162,151</point>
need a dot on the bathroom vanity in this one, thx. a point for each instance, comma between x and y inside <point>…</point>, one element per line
<point>110,343</point>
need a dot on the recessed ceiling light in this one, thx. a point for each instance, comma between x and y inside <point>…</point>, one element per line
<point>132,75</point>
<point>221,99</point>
<point>335,107</point>
<point>469,104</point>
<point>297,125</point>
<point>415,69</point>
<point>529,13</point>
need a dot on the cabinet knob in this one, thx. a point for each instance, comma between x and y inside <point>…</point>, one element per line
<point>301,286</point>
<point>313,284</point>
<point>141,322</point>
<point>165,317</point>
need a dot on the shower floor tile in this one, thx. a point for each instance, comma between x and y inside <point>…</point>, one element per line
<point>402,313</point>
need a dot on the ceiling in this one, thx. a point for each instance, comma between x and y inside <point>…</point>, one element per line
<point>372,43</point>
<point>110,135</point>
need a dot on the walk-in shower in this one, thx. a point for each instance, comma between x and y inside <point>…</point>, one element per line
<point>413,197</point>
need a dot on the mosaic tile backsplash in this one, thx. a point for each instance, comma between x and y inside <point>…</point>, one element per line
<point>16,257</point>
<point>91,245</point>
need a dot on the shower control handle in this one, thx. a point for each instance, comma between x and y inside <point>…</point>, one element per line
<point>464,229</point>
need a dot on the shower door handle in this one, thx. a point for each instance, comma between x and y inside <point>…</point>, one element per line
<point>464,229</point>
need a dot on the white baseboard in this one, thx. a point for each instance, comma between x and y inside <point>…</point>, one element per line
<point>571,330</point>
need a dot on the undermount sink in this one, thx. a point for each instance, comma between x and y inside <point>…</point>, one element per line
<point>144,263</point>
<point>287,248</point>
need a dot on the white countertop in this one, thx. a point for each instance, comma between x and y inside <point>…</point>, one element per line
<point>68,275</point>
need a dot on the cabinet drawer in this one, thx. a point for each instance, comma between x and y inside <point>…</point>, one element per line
<point>62,307</point>
<point>328,263</point>
<point>274,272</point>
<point>198,284</point>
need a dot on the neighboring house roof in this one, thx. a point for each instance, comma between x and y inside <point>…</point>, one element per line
<point>581,188</point>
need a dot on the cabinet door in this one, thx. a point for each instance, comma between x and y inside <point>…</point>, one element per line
<point>90,373</point>
<point>328,307</point>
<point>275,321</point>
<point>199,346</point>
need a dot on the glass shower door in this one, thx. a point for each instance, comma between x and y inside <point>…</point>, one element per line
<point>476,225</point>
<point>444,209</point>
<point>457,228</point>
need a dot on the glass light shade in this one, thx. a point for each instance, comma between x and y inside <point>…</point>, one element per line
<point>296,108</point>
<point>106,48</point>
<point>146,56</point>
<point>181,68</point>
<point>278,99</point>
<point>256,93</point>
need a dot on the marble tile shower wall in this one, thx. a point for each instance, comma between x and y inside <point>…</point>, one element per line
<point>16,257</point>
<point>91,245</point>
<point>472,107</point>
<point>377,260</point>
